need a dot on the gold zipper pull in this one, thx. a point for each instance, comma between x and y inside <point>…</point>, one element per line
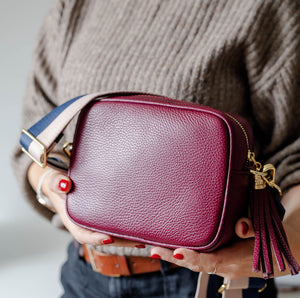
<point>270,172</point>
<point>263,175</point>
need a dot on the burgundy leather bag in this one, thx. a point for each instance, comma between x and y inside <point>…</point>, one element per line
<point>171,173</point>
<point>159,171</point>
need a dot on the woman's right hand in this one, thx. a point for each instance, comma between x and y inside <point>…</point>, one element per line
<point>55,186</point>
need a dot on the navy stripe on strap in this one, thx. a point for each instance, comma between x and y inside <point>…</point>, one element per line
<point>41,125</point>
<point>214,284</point>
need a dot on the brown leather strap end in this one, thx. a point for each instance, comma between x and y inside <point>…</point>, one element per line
<point>113,265</point>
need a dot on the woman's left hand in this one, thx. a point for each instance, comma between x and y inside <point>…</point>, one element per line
<point>233,262</point>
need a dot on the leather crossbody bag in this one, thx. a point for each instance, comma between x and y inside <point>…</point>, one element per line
<point>165,172</point>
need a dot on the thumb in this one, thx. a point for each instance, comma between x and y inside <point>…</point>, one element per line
<point>58,182</point>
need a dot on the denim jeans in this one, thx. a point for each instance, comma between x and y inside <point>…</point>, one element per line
<point>80,281</point>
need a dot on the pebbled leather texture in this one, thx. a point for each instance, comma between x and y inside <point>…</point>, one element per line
<point>159,171</point>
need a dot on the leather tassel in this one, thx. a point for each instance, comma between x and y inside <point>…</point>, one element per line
<point>264,235</point>
<point>281,238</point>
<point>267,214</point>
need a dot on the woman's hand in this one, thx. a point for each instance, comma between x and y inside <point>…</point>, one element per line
<point>233,262</point>
<point>55,186</point>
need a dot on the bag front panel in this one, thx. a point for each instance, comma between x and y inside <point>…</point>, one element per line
<point>149,173</point>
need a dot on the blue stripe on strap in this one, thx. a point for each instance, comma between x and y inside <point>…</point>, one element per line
<point>41,125</point>
<point>25,141</point>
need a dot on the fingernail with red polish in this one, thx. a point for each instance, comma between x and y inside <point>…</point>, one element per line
<point>63,185</point>
<point>140,246</point>
<point>155,256</point>
<point>245,228</point>
<point>178,256</point>
<point>107,241</point>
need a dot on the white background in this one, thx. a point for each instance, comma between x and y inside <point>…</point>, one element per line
<point>31,250</point>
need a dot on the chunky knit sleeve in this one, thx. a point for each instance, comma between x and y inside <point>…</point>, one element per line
<point>40,95</point>
<point>273,63</point>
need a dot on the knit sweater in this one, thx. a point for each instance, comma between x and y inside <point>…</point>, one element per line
<point>237,56</point>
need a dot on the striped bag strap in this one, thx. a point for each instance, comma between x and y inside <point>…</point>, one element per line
<point>40,138</point>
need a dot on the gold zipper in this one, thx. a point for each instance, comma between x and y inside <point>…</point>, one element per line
<point>263,175</point>
<point>243,129</point>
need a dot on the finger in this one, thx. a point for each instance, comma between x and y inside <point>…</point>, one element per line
<point>162,253</point>
<point>244,228</point>
<point>57,182</point>
<point>89,237</point>
<point>127,243</point>
<point>187,258</point>
<point>86,236</point>
<point>81,234</point>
